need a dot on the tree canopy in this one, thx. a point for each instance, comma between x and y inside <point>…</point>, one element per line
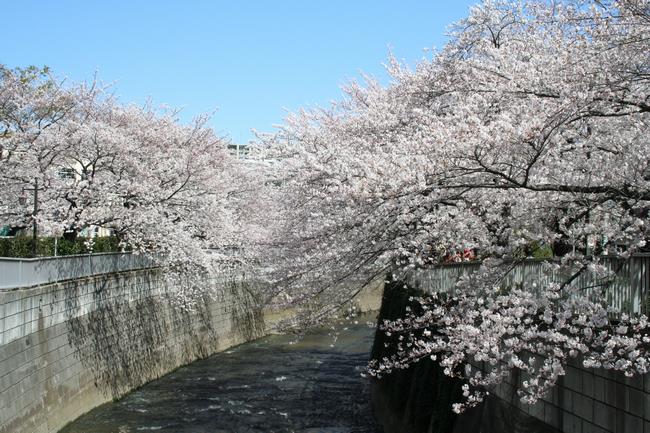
<point>162,187</point>
<point>529,128</point>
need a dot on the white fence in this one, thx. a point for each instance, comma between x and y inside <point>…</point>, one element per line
<point>629,292</point>
<point>16,273</point>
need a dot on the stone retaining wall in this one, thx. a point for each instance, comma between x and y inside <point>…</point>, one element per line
<point>587,401</point>
<point>418,399</point>
<point>67,347</point>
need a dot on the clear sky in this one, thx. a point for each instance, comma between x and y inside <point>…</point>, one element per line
<point>249,60</point>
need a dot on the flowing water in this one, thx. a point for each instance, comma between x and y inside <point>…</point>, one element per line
<point>270,385</point>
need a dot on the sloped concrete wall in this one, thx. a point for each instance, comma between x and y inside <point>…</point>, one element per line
<point>583,401</point>
<point>68,347</point>
<point>418,399</point>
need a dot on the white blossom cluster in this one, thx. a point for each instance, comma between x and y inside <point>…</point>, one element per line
<point>536,332</point>
<point>530,127</point>
<point>164,188</point>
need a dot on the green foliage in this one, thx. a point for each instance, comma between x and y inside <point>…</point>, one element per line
<point>543,252</point>
<point>21,246</point>
<point>29,75</point>
<point>535,250</point>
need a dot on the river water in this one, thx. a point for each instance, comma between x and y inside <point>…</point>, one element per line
<point>274,384</point>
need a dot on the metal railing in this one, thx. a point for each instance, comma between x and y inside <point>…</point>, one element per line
<point>629,292</point>
<point>16,273</point>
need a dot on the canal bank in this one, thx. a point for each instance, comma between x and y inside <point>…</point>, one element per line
<point>274,384</point>
<point>419,399</point>
<point>69,346</point>
<point>75,340</point>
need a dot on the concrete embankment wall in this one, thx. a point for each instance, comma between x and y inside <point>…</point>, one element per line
<point>67,347</point>
<point>418,400</point>
<point>583,401</point>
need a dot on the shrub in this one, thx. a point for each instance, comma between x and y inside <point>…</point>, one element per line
<point>21,246</point>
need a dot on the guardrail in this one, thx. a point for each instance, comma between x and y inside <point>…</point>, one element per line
<point>17,273</point>
<point>628,293</point>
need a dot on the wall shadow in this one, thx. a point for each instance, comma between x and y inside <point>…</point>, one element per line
<point>246,310</point>
<point>129,336</point>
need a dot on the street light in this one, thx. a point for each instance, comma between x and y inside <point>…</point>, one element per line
<point>23,200</point>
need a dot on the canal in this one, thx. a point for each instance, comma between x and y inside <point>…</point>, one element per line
<point>275,384</point>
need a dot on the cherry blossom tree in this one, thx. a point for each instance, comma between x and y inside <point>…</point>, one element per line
<point>31,101</point>
<point>529,128</point>
<point>164,188</point>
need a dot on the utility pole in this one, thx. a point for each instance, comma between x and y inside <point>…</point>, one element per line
<point>23,200</point>
<point>35,228</point>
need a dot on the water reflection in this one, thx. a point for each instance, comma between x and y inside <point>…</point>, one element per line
<point>266,386</point>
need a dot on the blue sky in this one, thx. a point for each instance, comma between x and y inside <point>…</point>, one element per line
<point>250,61</point>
